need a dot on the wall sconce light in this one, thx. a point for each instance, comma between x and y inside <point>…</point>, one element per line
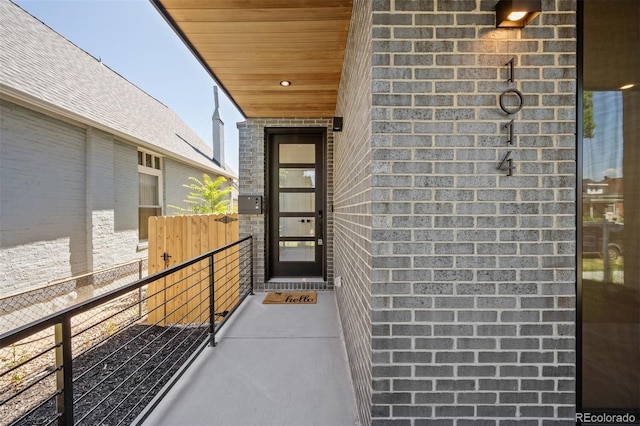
<point>517,13</point>
<point>337,124</point>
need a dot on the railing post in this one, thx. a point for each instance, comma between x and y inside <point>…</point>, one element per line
<point>251,263</point>
<point>606,265</point>
<point>212,303</point>
<point>140,289</point>
<point>64,372</point>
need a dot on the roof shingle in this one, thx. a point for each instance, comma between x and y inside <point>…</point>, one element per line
<point>38,64</point>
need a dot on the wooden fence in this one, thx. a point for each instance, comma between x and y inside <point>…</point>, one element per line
<point>182,298</point>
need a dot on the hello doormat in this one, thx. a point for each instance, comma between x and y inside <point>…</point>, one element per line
<point>291,298</point>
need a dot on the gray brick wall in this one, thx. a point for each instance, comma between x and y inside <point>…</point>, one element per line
<point>252,181</point>
<point>352,201</point>
<point>473,278</point>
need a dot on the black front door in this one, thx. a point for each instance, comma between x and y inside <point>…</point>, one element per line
<point>296,202</point>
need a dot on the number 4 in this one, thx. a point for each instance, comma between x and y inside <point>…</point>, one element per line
<point>507,164</point>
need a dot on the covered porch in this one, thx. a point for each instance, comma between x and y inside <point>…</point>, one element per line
<point>273,365</point>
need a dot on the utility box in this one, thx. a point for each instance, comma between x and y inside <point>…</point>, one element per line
<point>250,204</point>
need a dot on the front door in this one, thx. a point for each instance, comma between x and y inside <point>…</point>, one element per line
<point>296,202</point>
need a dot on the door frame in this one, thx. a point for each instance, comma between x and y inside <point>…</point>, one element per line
<point>268,133</point>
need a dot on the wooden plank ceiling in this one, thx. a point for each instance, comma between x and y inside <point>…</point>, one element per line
<point>250,46</point>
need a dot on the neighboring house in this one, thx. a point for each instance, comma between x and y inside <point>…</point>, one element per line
<point>604,198</point>
<point>448,227</point>
<point>85,158</point>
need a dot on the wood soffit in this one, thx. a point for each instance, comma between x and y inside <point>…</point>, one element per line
<point>250,46</point>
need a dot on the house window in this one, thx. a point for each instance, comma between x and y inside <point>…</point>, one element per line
<point>609,280</point>
<point>149,191</point>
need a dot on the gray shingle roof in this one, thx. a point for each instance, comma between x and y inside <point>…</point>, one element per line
<point>41,66</point>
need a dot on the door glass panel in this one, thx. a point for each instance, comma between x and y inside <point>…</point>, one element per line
<point>296,199</point>
<point>610,223</point>
<point>297,226</point>
<point>297,153</point>
<point>297,178</point>
<point>292,202</point>
<point>297,251</point>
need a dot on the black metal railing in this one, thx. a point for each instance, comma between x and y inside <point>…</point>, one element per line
<point>110,359</point>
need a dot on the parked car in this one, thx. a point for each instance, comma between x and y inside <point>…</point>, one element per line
<point>593,238</point>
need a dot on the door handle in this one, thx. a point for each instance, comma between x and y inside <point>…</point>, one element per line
<point>320,230</point>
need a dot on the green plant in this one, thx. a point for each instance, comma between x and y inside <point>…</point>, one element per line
<point>592,219</point>
<point>588,122</point>
<point>16,377</point>
<point>206,197</point>
<point>597,265</point>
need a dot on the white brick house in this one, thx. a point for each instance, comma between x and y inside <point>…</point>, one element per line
<point>85,158</point>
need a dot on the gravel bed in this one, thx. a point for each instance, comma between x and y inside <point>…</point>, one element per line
<point>114,381</point>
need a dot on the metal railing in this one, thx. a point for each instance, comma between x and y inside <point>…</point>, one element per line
<point>110,359</point>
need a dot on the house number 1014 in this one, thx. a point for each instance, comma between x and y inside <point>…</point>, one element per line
<point>509,106</point>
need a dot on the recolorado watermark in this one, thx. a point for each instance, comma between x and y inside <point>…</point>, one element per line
<point>608,418</point>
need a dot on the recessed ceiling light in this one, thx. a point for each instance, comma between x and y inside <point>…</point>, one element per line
<point>627,86</point>
<point>285,83</point>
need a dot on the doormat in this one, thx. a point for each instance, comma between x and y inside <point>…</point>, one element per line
<point>291,298</point>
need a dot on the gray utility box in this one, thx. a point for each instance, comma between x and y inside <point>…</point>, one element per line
<point>250,204</point>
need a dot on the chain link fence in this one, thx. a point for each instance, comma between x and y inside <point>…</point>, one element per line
<point>21,308</point>
<point>28,367</point>
<point>30,361</point>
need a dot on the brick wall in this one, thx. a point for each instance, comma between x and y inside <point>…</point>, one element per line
<point>69,199</point>
<point>473,276</point>
<point>353,201</point>
<point>111,201</point>
<point>125,181</point>
<point>252,181</point>
<point>99,199</point>
<point>42,198</point>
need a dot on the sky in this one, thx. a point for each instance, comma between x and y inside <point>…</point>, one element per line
<point>132,38</point>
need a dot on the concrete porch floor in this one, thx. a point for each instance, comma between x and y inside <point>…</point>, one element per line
<point>273,365</point>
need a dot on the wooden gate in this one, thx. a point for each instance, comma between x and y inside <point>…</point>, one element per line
<point>183,297</point>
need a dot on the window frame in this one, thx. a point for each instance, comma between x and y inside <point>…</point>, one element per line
<point>580,237</point>
<point>157,169</point>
